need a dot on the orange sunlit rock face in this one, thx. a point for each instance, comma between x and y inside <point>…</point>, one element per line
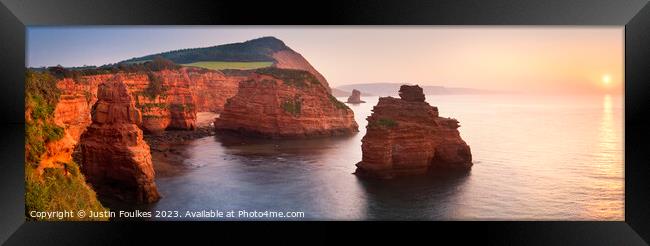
<point>211,89</point>
<point>271,107</point>
<point>116,159</point>
<point>185,92</point>
<point>407,137</point>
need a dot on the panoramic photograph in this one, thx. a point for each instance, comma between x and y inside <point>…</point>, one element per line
<point>185,123</point>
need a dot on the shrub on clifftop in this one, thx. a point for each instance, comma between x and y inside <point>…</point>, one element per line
<point>157,64</point>
<point>155,87</point>
<point>291,77</point>
<point>41,95</point>
<point>55,189</point>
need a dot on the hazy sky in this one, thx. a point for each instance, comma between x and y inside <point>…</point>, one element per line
<point>525,58</point>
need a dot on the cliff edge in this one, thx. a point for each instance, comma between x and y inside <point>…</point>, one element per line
<point>285,103</point>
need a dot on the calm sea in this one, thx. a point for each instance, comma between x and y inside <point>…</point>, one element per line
<point>535,158</point>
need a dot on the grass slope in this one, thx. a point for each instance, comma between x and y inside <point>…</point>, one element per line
<point>256,50</point>
<point>221,65</point>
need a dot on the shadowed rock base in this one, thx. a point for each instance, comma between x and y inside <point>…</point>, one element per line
<point>407,137</point>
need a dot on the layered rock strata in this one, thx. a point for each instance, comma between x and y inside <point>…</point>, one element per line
<point>211,89</point>
<point>72,112</point>
<point>116,160</point>
<point>167,99</point>
<point>163,97</point>
<point>281,103</point>
<point>170,105</point>
<point>406,136</point>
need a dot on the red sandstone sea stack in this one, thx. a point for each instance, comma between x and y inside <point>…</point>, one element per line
<point>355,97</point>
<point>407,137</point>
<point>116,159</point>
<point>285,103</point>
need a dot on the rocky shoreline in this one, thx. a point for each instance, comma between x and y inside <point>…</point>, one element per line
<point>204,128</point>
<point>158,141</point>
<point>167,149</point>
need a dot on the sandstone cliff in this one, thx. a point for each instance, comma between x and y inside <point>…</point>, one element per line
<point>355,97</point>
<point>164,98</point>
<point>116,160</point>
<point>407,137</point>
<point>289,59</point>
<point>283,103</point>
<point>263,49</point>
<point>52,179</point>
<point>211,89</point>
<point>72,113</point>
<point>167,99</point>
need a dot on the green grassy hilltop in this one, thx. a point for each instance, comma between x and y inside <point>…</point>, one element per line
<point>222,65</point>
<point>255,50</point>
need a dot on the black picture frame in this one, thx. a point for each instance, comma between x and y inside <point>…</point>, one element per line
<point>15,15</point>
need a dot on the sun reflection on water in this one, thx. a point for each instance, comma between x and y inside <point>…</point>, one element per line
<point>609,164</point>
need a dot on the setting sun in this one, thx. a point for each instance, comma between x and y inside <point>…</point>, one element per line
<point>606,79</point>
